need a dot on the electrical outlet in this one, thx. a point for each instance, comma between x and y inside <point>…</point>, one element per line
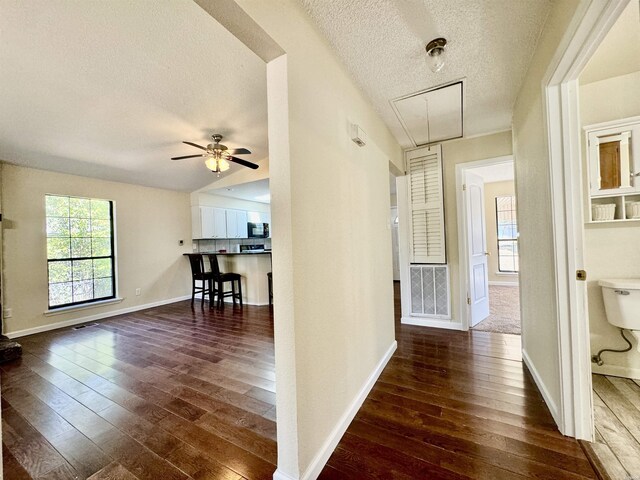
<point>137,292</point>
<point>8,313</point>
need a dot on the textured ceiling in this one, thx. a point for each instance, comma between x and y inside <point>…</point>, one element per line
<point>257,191</point>
<point>490,44</point>
<point>619,52</point>
<point>110,89</point>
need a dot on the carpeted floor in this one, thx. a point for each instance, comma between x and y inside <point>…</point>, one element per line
<point>504,316</point>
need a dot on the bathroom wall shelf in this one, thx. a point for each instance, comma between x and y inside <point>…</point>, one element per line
<point>620,202</point>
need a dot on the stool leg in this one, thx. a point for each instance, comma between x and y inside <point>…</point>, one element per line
<point>220,294</point>
<point>240,291</point>
<point>233,292</point>
<point>193,290</point>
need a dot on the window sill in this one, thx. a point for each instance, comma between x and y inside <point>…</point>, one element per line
<point>507,274</point>
<point>84,306</point>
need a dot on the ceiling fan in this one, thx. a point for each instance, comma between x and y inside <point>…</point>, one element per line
<point>218,156</point>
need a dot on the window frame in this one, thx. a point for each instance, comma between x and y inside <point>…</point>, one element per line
<point>514,239</point>
<point>112,257</point>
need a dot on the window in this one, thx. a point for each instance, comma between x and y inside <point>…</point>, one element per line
<point>507,234</point>
<point>80,250</point>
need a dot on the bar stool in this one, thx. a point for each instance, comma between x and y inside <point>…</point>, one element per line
<point>198,274</point>
<point>270,282</point>
<point>220,279</point>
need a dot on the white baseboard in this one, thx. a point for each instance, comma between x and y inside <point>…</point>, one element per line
<point>91,318</point>
<point>553,408</point>
<point>616,371</point>
<point>321,458</point>
<point>504,284</point>
<point>278,475</point>
<point>432,322</point>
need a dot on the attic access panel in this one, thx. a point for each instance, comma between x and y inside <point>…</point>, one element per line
<point>432,115</point>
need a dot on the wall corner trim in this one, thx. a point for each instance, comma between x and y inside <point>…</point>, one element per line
<point>278,475</point>
<point>553,408</point>
<point>321,458</point>
<point>91,318</point>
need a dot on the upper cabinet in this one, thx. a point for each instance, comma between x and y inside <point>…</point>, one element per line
<point>237,224</point>
<point>215,222</point>
<point>613,152</point>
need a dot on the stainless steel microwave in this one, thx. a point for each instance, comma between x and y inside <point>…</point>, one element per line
<point>258,230</point>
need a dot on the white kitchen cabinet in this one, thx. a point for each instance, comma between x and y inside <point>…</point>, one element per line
<point>236,224</point>
<point>208,222</point>
<point>219,223</point>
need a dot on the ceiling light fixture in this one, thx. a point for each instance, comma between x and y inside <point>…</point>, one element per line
<point>436,54</point>
<point>216,162</point>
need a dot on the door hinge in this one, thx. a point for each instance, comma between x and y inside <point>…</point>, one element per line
<point>464,187</point>
<point>468,300</point>
<point>581,275</point>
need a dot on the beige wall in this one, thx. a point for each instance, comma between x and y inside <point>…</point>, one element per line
<point>331,245</point>
<point>491,191</point>
<point>530,144</point>
<point>611,250</point>
<point>149,224</point>
<point>454,152</point>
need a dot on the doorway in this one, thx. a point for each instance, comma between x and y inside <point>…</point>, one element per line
<point>489,246</point>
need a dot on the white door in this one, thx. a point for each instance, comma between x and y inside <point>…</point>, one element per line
<point>477,248</point>
<point>219,223</point>
<point>395,244</point>
<point>232,224</point>
<point>207,222</point>
<point>241,222</point>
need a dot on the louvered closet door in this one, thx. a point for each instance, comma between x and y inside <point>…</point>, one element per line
<point>426,205</point>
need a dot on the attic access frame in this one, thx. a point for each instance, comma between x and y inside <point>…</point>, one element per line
<point>590,24</point>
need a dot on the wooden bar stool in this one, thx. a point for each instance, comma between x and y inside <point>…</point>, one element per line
<point>270,282</point>
<point>221,278</point>
<point>199,275</point>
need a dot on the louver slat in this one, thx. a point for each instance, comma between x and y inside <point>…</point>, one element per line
<point>426,207</point>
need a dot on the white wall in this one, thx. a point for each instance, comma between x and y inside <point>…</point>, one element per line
<point>530,145</point>
<point>149,224</point>
<point>220,201</point>
<point>491,191</point>
<point>331,245</point>
<point>611,250</point>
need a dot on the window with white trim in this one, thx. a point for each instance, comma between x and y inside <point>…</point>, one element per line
<point>507,226</point>
<point>80,250</point>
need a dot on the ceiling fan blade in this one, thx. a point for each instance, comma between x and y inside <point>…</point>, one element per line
<point>244,163</point>
<point>186,156</point>
<point>195,145</point>
<point>238,151</point>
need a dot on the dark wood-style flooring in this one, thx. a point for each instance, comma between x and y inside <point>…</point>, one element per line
<point>455,405</point>
<point>168,393</point>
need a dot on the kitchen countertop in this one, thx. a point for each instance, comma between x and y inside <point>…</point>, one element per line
<point>249,252</point>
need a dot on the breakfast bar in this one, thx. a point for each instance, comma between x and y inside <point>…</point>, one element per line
<point>252,266</point>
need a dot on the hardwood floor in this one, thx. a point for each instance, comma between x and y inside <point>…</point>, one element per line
<point>453,405</point>
<point>616,451</point>
<point>171,393</point>
<point>166,393</point>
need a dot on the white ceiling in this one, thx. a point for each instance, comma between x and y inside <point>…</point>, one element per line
<point>490,43</point>
<point>110,89</point>
<point>495,173</point>
<point>257,191</point>
<point>619,52</point>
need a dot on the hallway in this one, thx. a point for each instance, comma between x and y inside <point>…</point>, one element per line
<point>455,405</point>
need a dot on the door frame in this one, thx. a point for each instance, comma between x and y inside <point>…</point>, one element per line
<point>591,22</point>
<point>463,233</point>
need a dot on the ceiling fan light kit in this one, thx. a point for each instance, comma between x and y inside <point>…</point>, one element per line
<point>218,156</point>
<point>436,54</point>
